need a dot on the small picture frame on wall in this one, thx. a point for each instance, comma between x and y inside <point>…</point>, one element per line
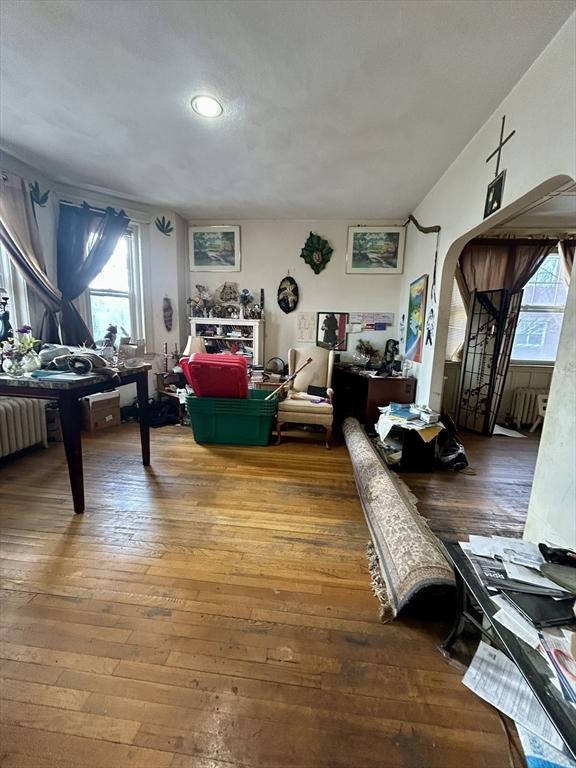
<point>215,249</point>
<point>494,194</point>
<point>375,250</point>
<point>331,330</point>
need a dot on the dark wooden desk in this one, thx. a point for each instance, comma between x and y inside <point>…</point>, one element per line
<point>359,395</point>
<point>469,591</point>
<point>68,395</point>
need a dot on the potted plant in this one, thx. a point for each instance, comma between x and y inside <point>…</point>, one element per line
<point>367,354</point>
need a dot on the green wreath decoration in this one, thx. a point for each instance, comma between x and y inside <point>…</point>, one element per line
<point>316,252</point>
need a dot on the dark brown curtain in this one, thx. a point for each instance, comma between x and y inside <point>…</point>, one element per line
<point>567,247</point>
<point>487,265</point>
<point>19,235</point>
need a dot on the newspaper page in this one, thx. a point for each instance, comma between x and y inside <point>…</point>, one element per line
<point>495,678</point>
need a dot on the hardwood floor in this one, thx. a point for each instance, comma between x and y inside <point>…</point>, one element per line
<point>214,611</point>
<point>491,497</point>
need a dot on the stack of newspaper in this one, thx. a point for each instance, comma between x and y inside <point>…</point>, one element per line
<point>541,614</point>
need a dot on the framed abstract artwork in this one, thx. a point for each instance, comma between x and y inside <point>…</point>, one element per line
<point>416,315</point>
<point>331,330</point>
<point>375,250</point>
<point>215,249</point>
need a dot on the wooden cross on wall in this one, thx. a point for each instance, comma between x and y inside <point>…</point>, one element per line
<point>498,150</point>
<point>496,186</point>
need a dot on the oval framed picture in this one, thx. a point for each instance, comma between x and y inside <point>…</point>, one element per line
<point>288,294</point>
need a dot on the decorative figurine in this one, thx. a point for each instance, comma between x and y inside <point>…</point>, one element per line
<point>201,303</point>
<point>430,326</point>
<point>6,330</point>
<point>110,336</point>
<point>246,299</point>
<point>402,328</point>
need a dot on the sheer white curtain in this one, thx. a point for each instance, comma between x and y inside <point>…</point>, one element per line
<point>13,285</point>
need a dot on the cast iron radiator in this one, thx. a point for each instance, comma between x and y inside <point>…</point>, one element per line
<point>22,424</point>
<point>525,405</point>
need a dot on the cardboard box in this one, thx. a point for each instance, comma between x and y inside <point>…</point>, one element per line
<point>100,411</point>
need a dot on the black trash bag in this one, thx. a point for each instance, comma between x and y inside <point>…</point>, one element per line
<point>449,450</point>
<point>161,413</point>
<point>129,412</point>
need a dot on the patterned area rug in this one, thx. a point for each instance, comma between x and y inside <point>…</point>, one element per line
<point>405,556</point>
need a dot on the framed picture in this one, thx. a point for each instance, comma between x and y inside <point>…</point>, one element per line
<point>375,250</point>
<point>416,316</point>
<point>214,249</point>
<point>494,194</point>
<point>331,330</point>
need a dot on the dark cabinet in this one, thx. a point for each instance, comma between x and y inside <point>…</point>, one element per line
<point>358,394</point>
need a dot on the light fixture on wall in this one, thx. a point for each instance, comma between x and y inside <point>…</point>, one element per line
<point>206,106</point>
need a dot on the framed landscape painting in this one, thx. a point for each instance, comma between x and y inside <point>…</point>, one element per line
<point>416,315</point>
<point>214,249</point>
<point>375,251</point>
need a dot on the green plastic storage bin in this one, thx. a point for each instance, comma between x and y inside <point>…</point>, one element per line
<point>232,421</point>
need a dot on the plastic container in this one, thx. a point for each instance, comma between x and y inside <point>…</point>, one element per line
<point>232,421</point>
<point>216,375</point>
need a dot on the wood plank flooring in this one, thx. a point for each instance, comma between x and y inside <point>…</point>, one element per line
<point>214,611</point>
<point>491,497</point>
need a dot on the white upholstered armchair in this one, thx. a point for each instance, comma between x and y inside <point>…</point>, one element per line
<point>297,408</point>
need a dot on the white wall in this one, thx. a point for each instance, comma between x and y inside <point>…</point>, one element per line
<point>552,511</point>
<point>164,259</point>
<point>271,248</point>
<point>539,158</point>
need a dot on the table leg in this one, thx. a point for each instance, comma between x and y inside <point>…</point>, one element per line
<point>142,392</point>
<point>460,620</point>
<point>70,425</point>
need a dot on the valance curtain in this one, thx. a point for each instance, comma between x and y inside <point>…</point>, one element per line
<point>20,236</point>
<point>86,240</point>
<point>487,265</point>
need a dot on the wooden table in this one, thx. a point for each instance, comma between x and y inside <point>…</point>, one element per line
<point>470,592</point>
<point>68,395</point>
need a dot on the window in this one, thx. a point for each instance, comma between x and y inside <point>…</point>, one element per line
<point>541,314</point>
<point>115,296</point>
<point>456,323</point>
<point>13,286</point>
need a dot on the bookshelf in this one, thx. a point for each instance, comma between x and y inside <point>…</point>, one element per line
<point>226,334</point>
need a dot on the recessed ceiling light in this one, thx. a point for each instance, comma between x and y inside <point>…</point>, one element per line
<point>207,106</point>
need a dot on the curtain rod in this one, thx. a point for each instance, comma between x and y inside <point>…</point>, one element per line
<point>78,205</point>
<point>528,234</point>
<point>515,240</point>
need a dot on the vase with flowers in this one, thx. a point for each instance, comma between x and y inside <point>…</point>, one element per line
<point>19,354</point>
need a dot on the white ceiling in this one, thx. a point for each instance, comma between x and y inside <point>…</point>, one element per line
<point>333,109</point>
